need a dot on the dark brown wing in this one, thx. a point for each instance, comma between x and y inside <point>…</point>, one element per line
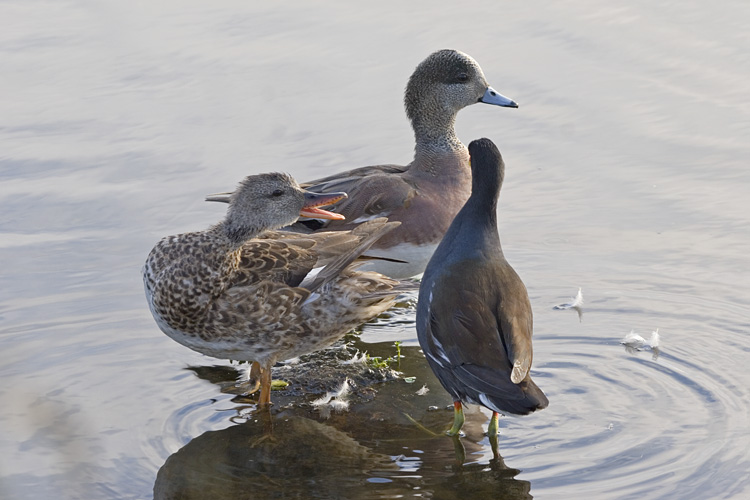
<point>471,354</point>
<point>515,321</point>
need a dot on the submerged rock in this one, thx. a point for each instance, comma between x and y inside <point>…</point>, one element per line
<point>310,376</point>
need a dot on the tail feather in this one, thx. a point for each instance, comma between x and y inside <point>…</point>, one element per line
<point>497,392</point>
<point>534,400</point>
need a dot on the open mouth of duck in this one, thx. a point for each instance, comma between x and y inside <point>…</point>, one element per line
<point>315,200</point>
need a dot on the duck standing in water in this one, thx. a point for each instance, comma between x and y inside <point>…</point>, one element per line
<point>474,319</point>
<point>427,193</point>
<point>241,291</point>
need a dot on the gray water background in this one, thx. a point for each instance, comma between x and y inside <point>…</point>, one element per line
<point>627,175</point>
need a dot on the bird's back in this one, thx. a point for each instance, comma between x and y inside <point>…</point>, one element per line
<point>474,336</point>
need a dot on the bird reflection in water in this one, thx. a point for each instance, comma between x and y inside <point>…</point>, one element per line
<point>311,459</point>
<point>372,451</point>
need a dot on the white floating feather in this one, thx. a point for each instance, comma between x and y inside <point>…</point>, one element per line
<point>654,341</point>
<point>577,302</point>
<point>633,340</point>
<point>291,361</point>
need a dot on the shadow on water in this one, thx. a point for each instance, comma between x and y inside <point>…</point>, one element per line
<point>389,446</point>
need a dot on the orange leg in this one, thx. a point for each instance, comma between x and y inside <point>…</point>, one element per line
<point>253,379</point>
<point>265,386</point>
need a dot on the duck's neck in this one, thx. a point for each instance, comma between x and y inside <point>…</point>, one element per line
<point>232,237</point>
<point>225,248</point>
<point>221,252</point>
<point>434,127</point>
<point>439,152</point>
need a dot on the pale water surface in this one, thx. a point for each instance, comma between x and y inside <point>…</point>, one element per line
<point>627,175</point>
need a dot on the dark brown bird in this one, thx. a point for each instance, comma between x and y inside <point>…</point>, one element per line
<point>474,319</point>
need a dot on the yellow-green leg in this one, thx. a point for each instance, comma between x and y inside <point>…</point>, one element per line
<point>458,419</point>
<point>492,427</point>
<point>493,445</point>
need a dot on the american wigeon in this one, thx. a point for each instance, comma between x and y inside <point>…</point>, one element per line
<point>241,291</point>
<point>427,193</point>
<point>474,319</point>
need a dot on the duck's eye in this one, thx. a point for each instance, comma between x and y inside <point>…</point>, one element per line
<point>463,77</point>
<point>277,192</point>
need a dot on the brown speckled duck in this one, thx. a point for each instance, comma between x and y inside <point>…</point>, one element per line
<point>426,194</point>
<point>474,319</point>
<point>241,291</point>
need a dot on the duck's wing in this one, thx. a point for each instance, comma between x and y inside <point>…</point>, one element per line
<point>373,192</point>
<point>278,272</point>
<point>368,233</point>
<point>308,260</point>
<point>326,245</point>
<point>357,173</point>
<point>273,260</point>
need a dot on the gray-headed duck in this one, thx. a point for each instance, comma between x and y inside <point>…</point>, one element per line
<point>427,193</point>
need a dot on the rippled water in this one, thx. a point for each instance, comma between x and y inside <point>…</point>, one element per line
<point>626,176</point>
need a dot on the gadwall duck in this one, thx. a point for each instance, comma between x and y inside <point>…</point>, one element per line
<point>426,194</point>
<point>474,319</point>
<point>241,291</point>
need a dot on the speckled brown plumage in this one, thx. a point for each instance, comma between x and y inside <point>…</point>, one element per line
<point>250,300</point>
